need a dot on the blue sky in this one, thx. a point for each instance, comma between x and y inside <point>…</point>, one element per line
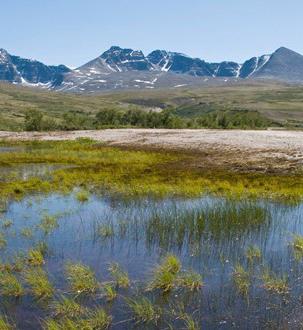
<point>75,31</point>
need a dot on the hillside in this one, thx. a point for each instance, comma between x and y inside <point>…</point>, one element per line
<point>275,104</point>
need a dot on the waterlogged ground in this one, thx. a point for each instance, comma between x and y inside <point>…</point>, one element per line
<point>139,234</point>
<point>95,238</point>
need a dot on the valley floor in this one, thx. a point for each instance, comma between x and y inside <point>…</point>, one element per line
<point>264,151</point>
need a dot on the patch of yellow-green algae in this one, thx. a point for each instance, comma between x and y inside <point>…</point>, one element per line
<point>133,172</point>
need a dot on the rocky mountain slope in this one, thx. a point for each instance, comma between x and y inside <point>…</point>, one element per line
<point>119,68</point>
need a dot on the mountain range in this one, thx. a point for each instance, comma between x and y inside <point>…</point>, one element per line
<point>119,68</point>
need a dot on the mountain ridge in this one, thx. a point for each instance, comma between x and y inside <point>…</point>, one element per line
<point>126,68</point>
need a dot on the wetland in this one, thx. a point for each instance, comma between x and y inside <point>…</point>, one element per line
<point>100,237</point>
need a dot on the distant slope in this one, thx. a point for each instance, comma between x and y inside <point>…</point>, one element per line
<point>279,103</point>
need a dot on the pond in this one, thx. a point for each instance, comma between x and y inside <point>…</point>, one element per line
<point>247,253</point>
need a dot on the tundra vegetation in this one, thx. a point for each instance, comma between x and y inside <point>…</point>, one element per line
<point>244,106</point>
<point>112,238</point>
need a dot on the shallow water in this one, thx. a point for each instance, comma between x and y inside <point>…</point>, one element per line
<point>143,233</point>
<point>27,171</point>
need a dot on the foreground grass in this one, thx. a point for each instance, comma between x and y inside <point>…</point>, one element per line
<point>134,173</point>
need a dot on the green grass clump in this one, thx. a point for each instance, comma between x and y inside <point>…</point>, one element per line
<point>66,307</point>
<point>253,253</point>
<point>39,284</point>
<point>119,275</point>
<point>6,224</point>
<point>10,286</point>
<point>144,310</point>
<point>64,324</point>
<point>3,241</point>
<point>109,292</point>
<point>190,280</point>
<point>95,320</point>
<point>4,325</point>
<point>48,224</point>
<point>82,196</point>
<point>275,284</point>
<point>27,233</point>
<point>165,274</point>
<point>298,243</point>
<point>81,279</point>
<point>105,230</point>
<point>241,280</point>
<point>35,258</point>
<point>190,323</point>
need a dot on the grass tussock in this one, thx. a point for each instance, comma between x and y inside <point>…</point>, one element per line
<point>35,258</point>
<point>143,310</point>
<point>253,253</point>
<point>81,279</point>
<point>10,286</point>
<point>39,283</point>
<point>3,241</point>
<point>241,280</point>
<point>120,277</point>
<point>94,320</point>
<point>168,276</point>
<point>275,284</point>
<point>82,196</point>
<point>66,307</point>
<point>4,324</point>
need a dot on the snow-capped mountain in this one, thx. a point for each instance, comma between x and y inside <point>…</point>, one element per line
<point>18,70</point>
<point>119,68</point>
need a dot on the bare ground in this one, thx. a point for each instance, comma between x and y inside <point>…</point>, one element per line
<point>265,151</point>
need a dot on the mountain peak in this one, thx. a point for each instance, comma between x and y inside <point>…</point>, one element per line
<point>284,51</point>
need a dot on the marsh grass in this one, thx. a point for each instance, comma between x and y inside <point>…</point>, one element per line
<point>218,220</point>
<point>164,276</point>
<point>189,280</point>
<point>39,284</point>
<point>138,173</point>
<point>35,257</point>
<point>190,323</point>
<point>143,310</point>
<point>10,286</point>
<point>241,280</point>
<point>275,284</point>
<point>297,246</point>
<point>298,243</point>
<point>109,292</point>
<point>98,320</point>
<point>82,196</point>
<point>4,324</point>
<point>81,279</point>
<point>66,307</point>
<point>3,241</point>
<point>119,275</point>
<point>105,230</point>
<point>95,320</point>
<point>27,233</point>
<point>253,253</point>
<point>168,276</point>
<point>6,224</point>
<point>48,224</point>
